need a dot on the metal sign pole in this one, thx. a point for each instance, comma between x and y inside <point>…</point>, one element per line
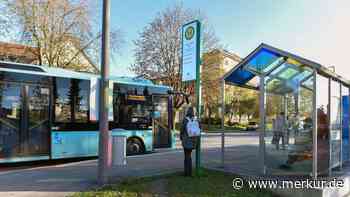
<point>190,69</point>
<point>223,123</point>
<point>198,95</point>
<point>104,160</point>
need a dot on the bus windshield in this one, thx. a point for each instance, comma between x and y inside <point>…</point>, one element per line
<point>133,106</point>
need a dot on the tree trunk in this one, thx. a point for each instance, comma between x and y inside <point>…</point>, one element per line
<point>209,118</point>
<point>175,111</point>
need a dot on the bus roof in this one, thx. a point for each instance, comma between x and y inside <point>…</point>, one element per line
<point>60,72</point>
<point>136,81</point>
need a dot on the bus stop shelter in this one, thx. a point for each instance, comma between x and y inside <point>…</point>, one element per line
<point>311,100</point>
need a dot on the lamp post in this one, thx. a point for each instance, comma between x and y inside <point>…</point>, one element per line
<point>104,160</point>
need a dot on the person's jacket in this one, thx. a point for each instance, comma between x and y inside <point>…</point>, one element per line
<point>187,142</point>
<point>280,124</point>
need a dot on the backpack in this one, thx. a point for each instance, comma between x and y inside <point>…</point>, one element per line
<point>192,127</point>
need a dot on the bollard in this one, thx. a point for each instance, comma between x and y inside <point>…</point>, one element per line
<point>119,150</point>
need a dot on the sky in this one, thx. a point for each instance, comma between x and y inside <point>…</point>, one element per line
<point>318,30</point>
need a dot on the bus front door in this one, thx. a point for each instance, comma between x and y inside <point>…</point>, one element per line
<point>24,120</point>
<point>37,130</point>
<point>161,129</point>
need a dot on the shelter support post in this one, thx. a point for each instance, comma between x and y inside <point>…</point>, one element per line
<point>262,102</point>
<point>285,107</point>
<point>199,111</point>
<point>329,127</point>
<point>314,128</point>
<point>297,102</point>
<point>223,123</point>
<point>341,127</point>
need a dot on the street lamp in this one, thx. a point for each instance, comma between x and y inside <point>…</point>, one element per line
<point>104,159</point>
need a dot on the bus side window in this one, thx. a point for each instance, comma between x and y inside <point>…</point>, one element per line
<point>72,100</point>
<point>62,100</point>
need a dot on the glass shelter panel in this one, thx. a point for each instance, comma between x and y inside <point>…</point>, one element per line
<point>289,125</point>
<point>264,61</point>
<point>335,124</point>
<point>288,73</point>
<point>161,134</point>
<point>322,107</point>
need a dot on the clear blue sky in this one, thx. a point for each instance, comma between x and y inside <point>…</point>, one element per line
<point>315,29</point>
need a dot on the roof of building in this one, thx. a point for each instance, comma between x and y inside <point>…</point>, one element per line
<point>227,53</point>
<point>232,55</point>
<point>23,53</point>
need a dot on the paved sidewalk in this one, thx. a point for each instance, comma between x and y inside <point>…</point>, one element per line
<point>63,180</point>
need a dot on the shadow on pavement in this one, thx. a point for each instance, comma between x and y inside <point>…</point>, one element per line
<point>63,179</point>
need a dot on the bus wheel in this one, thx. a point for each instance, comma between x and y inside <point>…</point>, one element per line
<point>134,146</point>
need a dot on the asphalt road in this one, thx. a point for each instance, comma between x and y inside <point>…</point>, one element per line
<point>65,179</point>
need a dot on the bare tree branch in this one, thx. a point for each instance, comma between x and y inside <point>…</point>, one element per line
<point>62,32</point>
<point>158,48</point>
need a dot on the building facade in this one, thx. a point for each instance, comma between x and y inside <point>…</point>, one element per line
<point>214,64</point>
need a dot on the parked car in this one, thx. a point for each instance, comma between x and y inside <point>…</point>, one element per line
<point>252,126</point>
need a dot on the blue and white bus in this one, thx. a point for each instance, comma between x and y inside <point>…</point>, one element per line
<point>52,113</point>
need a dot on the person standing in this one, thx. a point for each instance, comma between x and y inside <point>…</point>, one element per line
<point>281,130</point>
<point>188,142</point>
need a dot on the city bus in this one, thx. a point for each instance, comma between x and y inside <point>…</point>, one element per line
<point>52,113</point>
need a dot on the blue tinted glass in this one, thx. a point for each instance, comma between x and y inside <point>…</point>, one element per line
<point>273,84</point>
<point>301,76</point>
<point>288,73</point>
<point>309,83</point>
<point>274,64</point>
<point>279,69</point>
<point>262,60</point>
<point>240,76</point>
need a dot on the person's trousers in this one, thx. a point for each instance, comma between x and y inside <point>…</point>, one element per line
<point>188,162</point>
<point>281,137</point>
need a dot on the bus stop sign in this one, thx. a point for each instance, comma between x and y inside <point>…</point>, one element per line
<point>190,50</point>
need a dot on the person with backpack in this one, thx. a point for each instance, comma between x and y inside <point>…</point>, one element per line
<point>190,130</point>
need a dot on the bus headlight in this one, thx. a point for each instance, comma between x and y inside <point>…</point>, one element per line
<point>134,119</point>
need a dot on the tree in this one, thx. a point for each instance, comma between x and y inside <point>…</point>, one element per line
<point>5,22</point>
<point>62,32</point>
<point>249,106</point>
<point>241,101</point>
<point>158,48</point>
